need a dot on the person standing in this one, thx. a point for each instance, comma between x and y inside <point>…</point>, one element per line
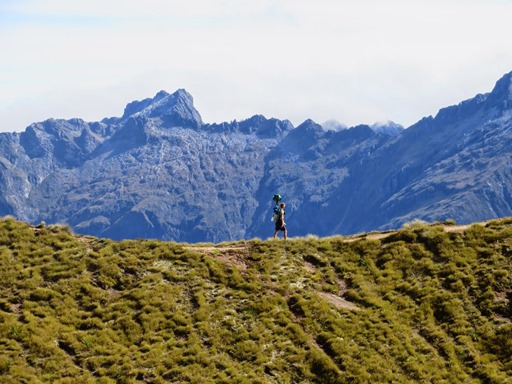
<point>280,223</point>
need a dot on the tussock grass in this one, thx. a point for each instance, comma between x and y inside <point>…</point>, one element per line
<point>426,305</point>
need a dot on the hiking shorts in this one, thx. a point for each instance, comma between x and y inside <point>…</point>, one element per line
<point>280,226</point>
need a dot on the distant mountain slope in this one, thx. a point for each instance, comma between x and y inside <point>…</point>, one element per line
<point>456,165</point>
<point>160,172</point>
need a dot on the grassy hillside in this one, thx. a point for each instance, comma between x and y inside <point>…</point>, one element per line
<point>422,304</point>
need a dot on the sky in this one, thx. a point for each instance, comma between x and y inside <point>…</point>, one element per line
<point>354,61</point>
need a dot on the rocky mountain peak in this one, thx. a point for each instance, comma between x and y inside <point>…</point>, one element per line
<point>499,100</point>
<point>503,86</point>
<point>176,109</point>
<point>501,95</point>
<point>310,126</point>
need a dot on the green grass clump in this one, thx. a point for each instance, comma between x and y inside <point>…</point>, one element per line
<point>422,304</point>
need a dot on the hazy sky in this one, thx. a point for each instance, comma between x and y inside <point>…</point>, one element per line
<point>357,61</point>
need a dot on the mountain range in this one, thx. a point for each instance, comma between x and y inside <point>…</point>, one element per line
<point>159,171</point>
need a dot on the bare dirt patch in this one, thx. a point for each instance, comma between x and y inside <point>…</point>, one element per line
<point>339,302</point>
<point>16,308</point>
<point>233,256</point>
<point>309,267</point>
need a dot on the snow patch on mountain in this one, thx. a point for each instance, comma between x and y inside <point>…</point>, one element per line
<point>333,125</point>
<point>388,127</point>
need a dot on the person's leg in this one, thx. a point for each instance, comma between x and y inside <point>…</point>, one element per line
<point>285,233</point>
<point>275,233</point>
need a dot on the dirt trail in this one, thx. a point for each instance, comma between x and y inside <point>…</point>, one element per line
<point>234,256</point>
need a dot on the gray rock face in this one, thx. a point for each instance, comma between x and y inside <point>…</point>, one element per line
<point>160,172</point>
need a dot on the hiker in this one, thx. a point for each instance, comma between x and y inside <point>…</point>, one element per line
<point>280,224</point>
